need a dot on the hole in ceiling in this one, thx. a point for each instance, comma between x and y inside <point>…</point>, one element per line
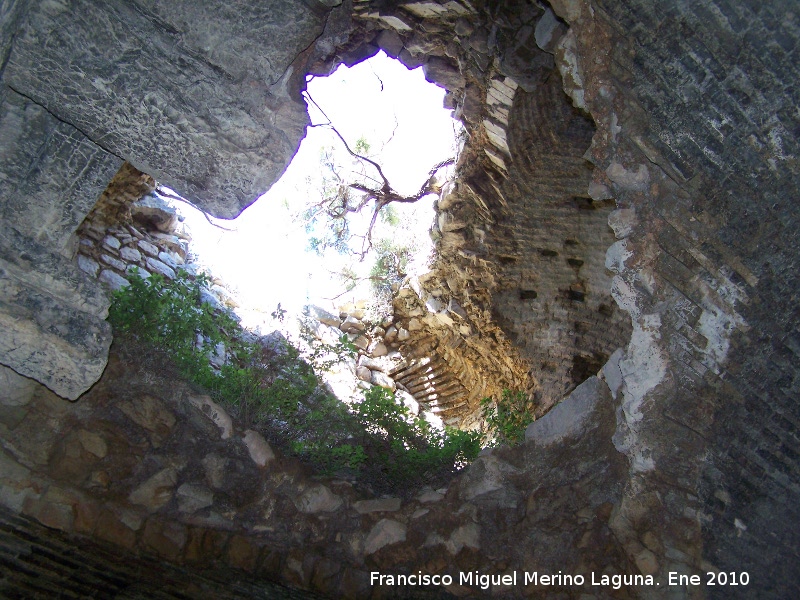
<point>383,111</point>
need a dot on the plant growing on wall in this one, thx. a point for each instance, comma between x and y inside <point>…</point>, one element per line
<point>269,386</point>
<point>508,417</point>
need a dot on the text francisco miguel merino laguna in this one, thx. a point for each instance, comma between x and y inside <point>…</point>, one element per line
<point>485,581</point>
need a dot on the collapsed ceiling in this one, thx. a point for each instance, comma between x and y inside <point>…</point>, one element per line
<point>628,183</point>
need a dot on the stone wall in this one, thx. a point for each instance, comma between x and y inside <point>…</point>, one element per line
<point>686,113</point>
<point>162,474</point>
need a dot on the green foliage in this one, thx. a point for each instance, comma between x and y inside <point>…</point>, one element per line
<point>269,386</point>
<point>404,448</point>
<point>508,417</point>
<point>390,267</point>
<point>170,317</point>
<point>362,146</point>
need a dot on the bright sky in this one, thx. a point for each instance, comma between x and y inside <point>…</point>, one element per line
<point>265,260</point>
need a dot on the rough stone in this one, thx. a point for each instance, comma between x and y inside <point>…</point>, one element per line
<point>16,389</point>
<point>156,491</point>
<point>570,417</point>
<point>192,497</point>
<point>111,242</point>
<point>318,499</point>
<point>258,448</point>
<point>378,349</point>
<point>113,280</point>
<point>57,336</point>
<point>130,254</point>
<point>228,85</point>
<point>352,325</point>
<point>390,42</point>
<point>150,413</point>
<point>363,373</point>
<point>379,505</point>
<point>159,267</point>
<point>153,212</point>
<point>113,262</point>
<point>441,72</point>
<point>87,265</point>
<point>148,248</point>
<point>215,413</point>
<point>386,532</point>
<point>383,380</point>
<point>52,174</point>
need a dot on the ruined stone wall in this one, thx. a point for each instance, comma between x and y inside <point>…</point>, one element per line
<point>691,113</point>
<point>145,464</point>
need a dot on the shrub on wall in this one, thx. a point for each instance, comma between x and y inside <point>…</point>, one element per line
<point>271,387</point>
<point>508,417</point>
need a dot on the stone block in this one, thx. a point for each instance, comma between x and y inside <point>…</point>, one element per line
<point>143,112</point>
<point>148,248</point>
<point>258,448</point>
<point>113,280</point>
<point>318,499</point>
<point>165,538</point>
<point>52,174</point>
<point>52,317</point>
<point>130,254</point>
<point>570,417</point>
<point>383,380</point>
<point>87,265</point>
<point>379,505</point>
<point>442,72</point>
<point>385,532</point>
<point>193,497</point>
<point>156,491</point>
<point>215,413</point>
<point>156,266</point>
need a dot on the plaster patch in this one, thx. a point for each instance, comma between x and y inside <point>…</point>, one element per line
<point>616,255</point>
<point>643,368</point>
<point>629,178</point>
<point>570,69</point>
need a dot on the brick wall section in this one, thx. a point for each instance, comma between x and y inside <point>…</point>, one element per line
<point>40,563</point>
<point>718,81</point>
<point>552,296</point>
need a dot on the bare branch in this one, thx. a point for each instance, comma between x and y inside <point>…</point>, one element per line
<point>383,195</point>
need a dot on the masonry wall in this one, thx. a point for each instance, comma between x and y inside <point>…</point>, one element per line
<point>689,113</point>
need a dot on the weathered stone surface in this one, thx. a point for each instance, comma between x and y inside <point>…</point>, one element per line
<point>318,499</point>
<point>443,73</point>
<point>55,336</point>
<point>51,173</point>
<point>150,413</point>
<point>379,349</point>
<point>258,448</point>
<point>383,380</point>
<point>148,248</point>
<point>192,498</point>
<point>157,490</point>
<point>379,505</point>
<point>570,417</point>
<point>385,533</point>
<point>215,413</point>
<point>352,325</point>
<point>153,212</point>
<point>363,373</point>
<point>15,390</point>
<point>159,267</point>
<point>323,316</point>
<point>130,254</point>
<point>239,90</point>
<point>113,280</point>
